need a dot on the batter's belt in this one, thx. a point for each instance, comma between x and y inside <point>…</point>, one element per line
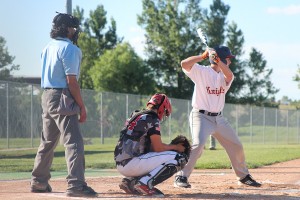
<point>210,113</point>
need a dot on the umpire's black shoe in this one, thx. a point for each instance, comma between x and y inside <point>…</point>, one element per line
<point>181,181</point>
<point>83,191</point>
<point>40,187</point>
<point>248,180</point>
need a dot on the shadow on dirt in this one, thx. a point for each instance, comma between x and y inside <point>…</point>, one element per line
<point>231,196</point>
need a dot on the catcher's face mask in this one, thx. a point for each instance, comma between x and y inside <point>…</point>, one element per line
<point>76,36</point>
<point>162,104</point>
<point>67,20</point>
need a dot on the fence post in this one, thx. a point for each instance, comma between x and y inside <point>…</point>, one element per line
<point>101,119</point>
<point>7,115</point>
<point>126,114</point>
<point>298,125</point>
<point>287,126</point>
<point>236,119</point>
<point>276,125</point>
<point>251,125</point>
<point>169,127</point>
<point>188,114</point>
<point>169,124</point>
<point>264,124</point>
<point>31,116</point>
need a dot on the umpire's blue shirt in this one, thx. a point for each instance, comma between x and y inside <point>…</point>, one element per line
<point>59,58</point>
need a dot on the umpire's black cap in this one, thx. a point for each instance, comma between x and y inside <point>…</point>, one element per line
<point>65,19</point>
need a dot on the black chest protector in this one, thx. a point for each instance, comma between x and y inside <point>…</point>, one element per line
<point>133,116</point>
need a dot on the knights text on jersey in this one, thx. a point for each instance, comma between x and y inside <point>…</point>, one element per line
<point>210,88</point>
<point>135,137</point>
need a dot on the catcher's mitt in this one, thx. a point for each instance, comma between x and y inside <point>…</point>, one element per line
<point>186,143</point>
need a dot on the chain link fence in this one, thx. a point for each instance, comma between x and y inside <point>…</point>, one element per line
<point>20,124</point>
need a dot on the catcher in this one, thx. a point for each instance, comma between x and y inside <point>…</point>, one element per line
<point>140,154</point>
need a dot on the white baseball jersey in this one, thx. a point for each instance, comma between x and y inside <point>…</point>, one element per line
<point>210,88</point>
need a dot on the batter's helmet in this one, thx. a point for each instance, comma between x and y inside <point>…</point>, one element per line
<point>162,104</point>
<point>223,53</point>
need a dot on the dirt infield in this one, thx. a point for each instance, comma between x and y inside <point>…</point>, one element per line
<point>280,181</point>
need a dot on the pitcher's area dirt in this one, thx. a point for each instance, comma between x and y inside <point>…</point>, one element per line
<point>280,181</point>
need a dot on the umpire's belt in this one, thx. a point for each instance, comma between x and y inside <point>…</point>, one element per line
<point>209,113</point>
<point>123,162</point>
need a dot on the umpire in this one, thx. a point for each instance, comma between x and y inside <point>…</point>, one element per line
<point>61,60</point>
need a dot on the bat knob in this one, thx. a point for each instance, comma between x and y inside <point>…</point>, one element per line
<point>211,52</point>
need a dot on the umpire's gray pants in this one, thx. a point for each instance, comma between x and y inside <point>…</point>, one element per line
<point>202,126</point>
<point>54,125</point>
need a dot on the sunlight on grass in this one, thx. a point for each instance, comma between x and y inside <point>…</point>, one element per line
<point>101,157</point>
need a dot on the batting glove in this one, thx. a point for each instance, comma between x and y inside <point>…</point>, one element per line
<point>204,55</point>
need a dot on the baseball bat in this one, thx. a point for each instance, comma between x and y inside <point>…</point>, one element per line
<point>204,40</point>
<point>202,37</point>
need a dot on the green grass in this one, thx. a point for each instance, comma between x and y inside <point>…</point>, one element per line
<point>256,156</point>
<point>101,157</point>
<point>97,157</point>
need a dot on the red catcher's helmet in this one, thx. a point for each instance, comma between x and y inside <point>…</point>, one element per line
<point>162,104</point>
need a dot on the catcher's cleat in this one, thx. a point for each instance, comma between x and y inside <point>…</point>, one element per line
<point>40,187</point>
<point>145,190</point>
<point>248,180</point>
<point>127,185</point>
<point>181,181</point>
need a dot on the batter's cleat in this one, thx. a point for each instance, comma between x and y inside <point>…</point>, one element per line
<point>181,181</point>
<point>143,189</point>
<point>40,187</point>
<point>83,191</point>
<point>248,180</point>
<point>212,148</point>
<point>127,185</point>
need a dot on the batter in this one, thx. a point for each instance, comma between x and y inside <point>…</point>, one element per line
<point>206,118</point>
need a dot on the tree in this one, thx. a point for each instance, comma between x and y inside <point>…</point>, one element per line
<point>259,89</point>
<point>215,22</point>
<point>122,70</point>
<point>96,37</point>
<point>238,66</point>
<point>297,76</point>
<point>6,61</point>
<point>171,35</point>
